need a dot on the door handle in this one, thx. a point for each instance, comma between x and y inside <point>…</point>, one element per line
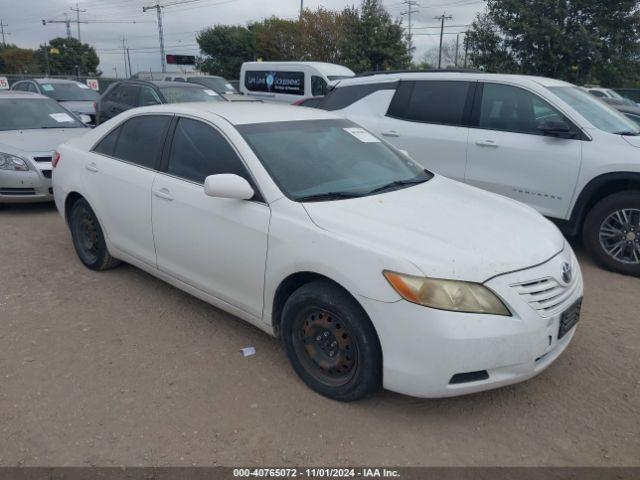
<point>390,133</point>
<point>487,143</point>
<point>92,167</point>
<point>163,193</point>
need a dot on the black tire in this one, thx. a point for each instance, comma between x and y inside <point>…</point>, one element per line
<point>88,238</point>
<point>615,244</point>
<point>320,318</point>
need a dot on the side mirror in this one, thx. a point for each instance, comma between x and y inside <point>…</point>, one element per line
<point>227,185</point>
<point>556,128</point>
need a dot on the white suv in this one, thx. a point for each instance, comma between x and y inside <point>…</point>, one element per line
<point>543,142</point>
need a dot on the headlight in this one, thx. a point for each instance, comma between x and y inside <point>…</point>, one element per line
<point>450,295</point>
<point>11,162</point>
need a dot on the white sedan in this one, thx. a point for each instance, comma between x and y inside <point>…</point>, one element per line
<point>372,271</point>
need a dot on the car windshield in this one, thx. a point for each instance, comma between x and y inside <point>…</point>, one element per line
<point>69,92</point>
<point>217,84</point>
<point>338,77</point>
<point>599,114</point>
<point>34,113</point>
<point>317,160</point>
<point>189,94</point>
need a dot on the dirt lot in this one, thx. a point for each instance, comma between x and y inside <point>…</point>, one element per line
<point>118,368</point>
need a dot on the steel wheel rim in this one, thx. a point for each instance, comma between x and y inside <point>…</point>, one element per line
<point>325,346</point>
<point>87,235</point>
<point>620,235</point>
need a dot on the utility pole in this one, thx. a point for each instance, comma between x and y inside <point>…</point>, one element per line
<point>66,22</point>
<point>129,61</point>
<point>457,48</point>
<point>442,18</point>
<point>124,54</point>
<point>158,8</point>
<point>46,58</point>
<point>466,49</point>
<point>301,8</point>
<point>410,10</point>
<point>78,11</point>
<point>2,25</point>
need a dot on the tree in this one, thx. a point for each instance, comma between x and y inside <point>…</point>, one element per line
<point>277,39</point>
<point>321,32</point>
<point>431,56</point>
<point>576,40</point>
<point>73,56</point>
<point>225,48</point>
<point>19,60</point>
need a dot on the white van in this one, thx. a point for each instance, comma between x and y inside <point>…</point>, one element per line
<point>289,82</point>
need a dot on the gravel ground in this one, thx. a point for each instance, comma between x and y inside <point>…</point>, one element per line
<point>119,368</point>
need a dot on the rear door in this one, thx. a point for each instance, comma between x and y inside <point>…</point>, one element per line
<point>510,155</point>
<point>118,176</point>
<point>428,119</point>
<point>217,245</point>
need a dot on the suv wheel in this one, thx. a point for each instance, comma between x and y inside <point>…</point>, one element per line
<point>88,238</point>
<point>612,232</point>
<point>331,342</point>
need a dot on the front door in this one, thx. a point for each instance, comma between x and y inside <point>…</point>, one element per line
<point>509,154</point>
<point>214,244</point>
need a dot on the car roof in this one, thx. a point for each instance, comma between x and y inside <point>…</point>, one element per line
<point>52,80</point>
<point>242,113</point>
<point>449,75</point>
<point>324,67</point>
<point>159,83</point>
<point>18,94</point>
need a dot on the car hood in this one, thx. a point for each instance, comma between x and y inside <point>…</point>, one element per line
<point>80,107</point>
<point>37,141</point>
<point>445,228</point>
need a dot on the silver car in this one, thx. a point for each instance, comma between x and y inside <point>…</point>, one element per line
<point>31,128</point>
<point>74,96</point>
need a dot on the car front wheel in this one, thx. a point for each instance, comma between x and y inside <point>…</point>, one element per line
<point>88,238</point>
<point>331,342</point>
<point>611,232</point>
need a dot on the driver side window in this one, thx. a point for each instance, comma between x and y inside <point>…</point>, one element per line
<point>512,109</point>
<point>148,97</point>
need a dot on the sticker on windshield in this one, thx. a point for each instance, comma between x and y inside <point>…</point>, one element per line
<point>61,117</point>
<point>211,93</point>
<point>47,87</point>
<point>228,86</point>
<point>362,135</point>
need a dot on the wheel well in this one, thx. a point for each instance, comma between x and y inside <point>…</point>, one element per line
<point>72,198</point>
<point>290,285</point>
<point>598,189</point>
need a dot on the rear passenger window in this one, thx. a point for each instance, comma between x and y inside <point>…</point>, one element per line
<point>440,102</point>
<point>107,145</point>
<point>342,97</point>
<point>199,150</point>
<point>141,140</point>
<point>318,86</point>
<point>130,95</point>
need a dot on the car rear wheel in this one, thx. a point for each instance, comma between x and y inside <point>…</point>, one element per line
<point>611,232</point>
<point>331,342</point>
<point>88,238</point>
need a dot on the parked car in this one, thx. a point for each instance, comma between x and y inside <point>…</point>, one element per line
<point>608,93</point>
<point>215,83</point>
<point>289,82</point>
<point>31,128</point>
<point>74,96</point>
<point>630,111</point>
<point>540,141</point>
<point>630,93</point>
<point>372,270</point>
<point>312,102</point>
<point>127,94</point>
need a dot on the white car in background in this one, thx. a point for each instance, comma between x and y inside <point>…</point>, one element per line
<point>540,141</point>
<point>373,271</point>
<point>31,128</point>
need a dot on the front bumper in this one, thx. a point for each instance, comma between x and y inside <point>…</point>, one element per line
<point>26,187</point>
<point>425,349</point>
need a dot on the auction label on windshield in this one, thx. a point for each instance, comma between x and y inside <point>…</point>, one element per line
<point>211,93</point>
<point>4,83</point>
<point>61,117</point>
<point>362,135</point>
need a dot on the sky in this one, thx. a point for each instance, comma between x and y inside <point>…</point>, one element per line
<point>111,21</point>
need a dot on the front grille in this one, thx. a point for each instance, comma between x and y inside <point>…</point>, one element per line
<point>17,191</point>
<point>42,159</point>
<point>547,296</point>
<point>46,173</point>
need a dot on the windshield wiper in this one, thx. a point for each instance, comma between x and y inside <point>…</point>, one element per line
<point>628,133</point>
<point>397,184</point>
<point>318,197</point>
